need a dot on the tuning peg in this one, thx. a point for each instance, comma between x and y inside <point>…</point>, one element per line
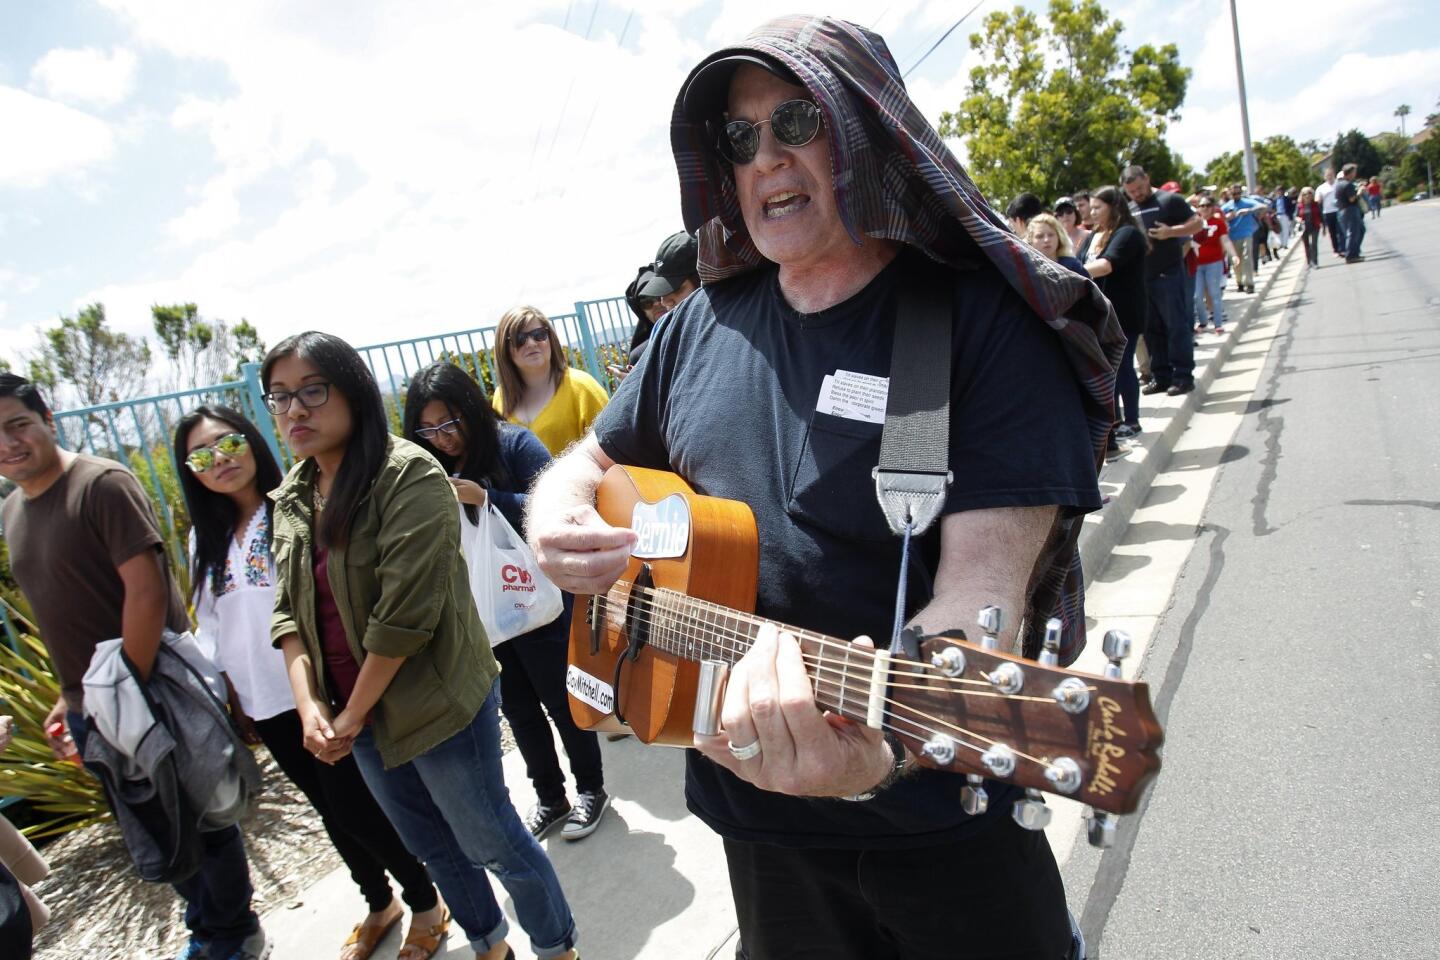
<point>999,760</point>
<point>974,800</point>
<point>990,620</point>
<point>1031,813</point>
<point>1007,678</point>
<point>1050,649</point>
<point>939,750</point>
<point>1116,645</point>
<point>1064,775</point>
<point>950,661</point>
<point>1073,695</point>
<point>1100,828</point>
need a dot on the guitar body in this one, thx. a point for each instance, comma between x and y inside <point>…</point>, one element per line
<point>700,546</point>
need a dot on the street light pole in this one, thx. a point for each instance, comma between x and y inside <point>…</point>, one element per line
<point>1250,184</point>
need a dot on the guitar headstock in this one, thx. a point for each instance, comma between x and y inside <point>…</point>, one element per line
<point>970,708</point>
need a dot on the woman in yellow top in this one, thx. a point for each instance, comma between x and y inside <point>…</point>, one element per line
<point>537,389</point>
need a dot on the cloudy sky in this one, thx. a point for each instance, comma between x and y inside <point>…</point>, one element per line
<point>385,170</point>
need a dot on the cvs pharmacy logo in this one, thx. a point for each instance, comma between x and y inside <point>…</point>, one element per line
<point>516,578</point>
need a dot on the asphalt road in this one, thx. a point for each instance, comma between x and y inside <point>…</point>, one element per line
<point>1298,814</point>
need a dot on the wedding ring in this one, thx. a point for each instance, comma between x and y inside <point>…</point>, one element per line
<point>748,752</point>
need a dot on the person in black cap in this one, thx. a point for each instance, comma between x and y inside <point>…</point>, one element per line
<point>819,192</point>
<point>673,277</point>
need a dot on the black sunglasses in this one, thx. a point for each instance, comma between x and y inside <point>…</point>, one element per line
<point>538,335</point>
<point>794,123</point>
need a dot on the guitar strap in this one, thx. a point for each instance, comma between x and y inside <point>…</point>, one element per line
<point>913,475</point>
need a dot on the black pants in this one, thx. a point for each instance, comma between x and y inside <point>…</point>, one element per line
<point>217,897</point>
<point>359,830</point>
<point>1337,235</point>
<point>994,895</point>
<point>532,683</point>
<point>1311,238</point>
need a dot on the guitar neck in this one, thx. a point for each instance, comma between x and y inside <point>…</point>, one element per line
<point>841,674</point>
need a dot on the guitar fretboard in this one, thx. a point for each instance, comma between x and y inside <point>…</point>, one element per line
<point>840,673</point>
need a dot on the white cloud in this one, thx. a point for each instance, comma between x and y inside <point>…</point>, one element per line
<point>1358,91</point>
<point>86,77</point>
<point>45,139</point>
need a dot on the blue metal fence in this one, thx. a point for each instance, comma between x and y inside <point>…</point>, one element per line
<point>138,432</point>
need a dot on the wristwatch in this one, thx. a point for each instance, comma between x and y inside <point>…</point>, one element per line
<point>900,758</point>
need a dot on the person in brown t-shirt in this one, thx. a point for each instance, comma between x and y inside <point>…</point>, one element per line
<point>86,551</point>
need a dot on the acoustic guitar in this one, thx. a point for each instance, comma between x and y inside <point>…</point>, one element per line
<point>687,599</point>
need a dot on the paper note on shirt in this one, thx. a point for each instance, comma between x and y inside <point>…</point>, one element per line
<point>854,396</point>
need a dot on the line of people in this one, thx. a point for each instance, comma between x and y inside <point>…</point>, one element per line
<point>1163,260</point>
<point>338,606</point>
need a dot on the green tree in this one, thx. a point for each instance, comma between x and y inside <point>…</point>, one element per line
<point>1402,112</point>
<point>1061,105</point>
<point>1354,147</point>
<point>204,352</point>
<point>84,357</point>
<point>1278,162</point>
<point>1391,146</point>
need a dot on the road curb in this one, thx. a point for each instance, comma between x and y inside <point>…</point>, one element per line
<point>1128,479</point>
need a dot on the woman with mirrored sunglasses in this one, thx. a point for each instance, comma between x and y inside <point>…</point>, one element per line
<point>494,462</point>
<point>227,475</point>
<point>536,388</point>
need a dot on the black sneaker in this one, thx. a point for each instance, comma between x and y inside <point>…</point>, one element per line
<point>585,816</point>
<point>543,817</point>
<point>1127,431</point>
<point>1178,388</point>
<point>1153,387</point>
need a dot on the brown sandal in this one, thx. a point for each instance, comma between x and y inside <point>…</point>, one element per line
<point>368,938</point>
<point>423,944</point>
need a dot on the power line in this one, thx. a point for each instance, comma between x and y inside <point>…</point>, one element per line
<point>937,43</point>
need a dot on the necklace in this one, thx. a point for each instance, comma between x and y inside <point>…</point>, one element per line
<point>319,500</point>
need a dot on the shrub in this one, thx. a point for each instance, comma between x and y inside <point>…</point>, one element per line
<point>62,796</point>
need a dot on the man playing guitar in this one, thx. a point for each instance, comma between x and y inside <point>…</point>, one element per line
<point>814,208</point>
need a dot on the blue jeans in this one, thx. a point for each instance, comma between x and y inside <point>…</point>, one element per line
<point>217,898</point>
<point>1352,220</point>
<point>452,809</point>
<point>1168,333</point>
<point>1210,277</point>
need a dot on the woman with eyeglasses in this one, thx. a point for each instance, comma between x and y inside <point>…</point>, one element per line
<point>228,473</point>
<point>490,461</point>
<point>537,389</point>
<point>385,652</point>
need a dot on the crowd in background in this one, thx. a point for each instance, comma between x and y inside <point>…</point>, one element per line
<point>1165,259</point>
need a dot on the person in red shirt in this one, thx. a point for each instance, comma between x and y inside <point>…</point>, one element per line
<point>1214,248</point>
<point>1309,220</point>
<point>1373,197</point>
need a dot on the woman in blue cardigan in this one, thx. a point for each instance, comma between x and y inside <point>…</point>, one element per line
<point>491,461</point>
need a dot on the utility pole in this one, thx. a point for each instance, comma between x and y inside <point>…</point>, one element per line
<point>1250,184</point>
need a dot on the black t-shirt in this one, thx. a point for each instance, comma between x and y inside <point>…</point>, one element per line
<point>725,396</point>
<point>1172,210</point>
<point>1124,285</point>
<point>1345,193</point>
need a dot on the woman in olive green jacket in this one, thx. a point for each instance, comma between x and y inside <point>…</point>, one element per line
<point>385,651</point>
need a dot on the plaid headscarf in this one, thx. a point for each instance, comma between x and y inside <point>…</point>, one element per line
<point>895,179</point>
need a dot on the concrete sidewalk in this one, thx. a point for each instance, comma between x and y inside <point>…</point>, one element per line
<point>651,882</point>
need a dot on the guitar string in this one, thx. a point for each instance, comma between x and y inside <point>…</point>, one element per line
<point>830,690</point>
<point>728,645</point>
<point>922,672</point>
<point>713,636</point>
